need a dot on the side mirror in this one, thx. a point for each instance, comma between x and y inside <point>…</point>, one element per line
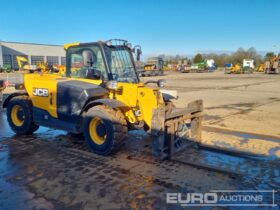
<point>93,74</point>
<point>138,54</point>
<point>137,50</point>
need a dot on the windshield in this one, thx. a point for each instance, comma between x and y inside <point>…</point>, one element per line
<point>86,62</point>
<point>120,63</point>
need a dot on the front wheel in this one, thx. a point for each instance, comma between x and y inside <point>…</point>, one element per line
<point>19,115</point>
<point>105,129</point>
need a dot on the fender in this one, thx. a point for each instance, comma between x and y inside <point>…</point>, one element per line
<point>112,103</point>
<point>7,100</point>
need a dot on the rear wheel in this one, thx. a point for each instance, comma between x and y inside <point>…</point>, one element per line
<point>19,115</point>
<point>105,129</point>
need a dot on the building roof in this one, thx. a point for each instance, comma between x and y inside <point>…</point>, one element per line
<point>32,43</point>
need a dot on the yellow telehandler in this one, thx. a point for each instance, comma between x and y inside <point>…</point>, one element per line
<point>102,98</point>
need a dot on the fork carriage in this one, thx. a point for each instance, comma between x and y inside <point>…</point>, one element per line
<point>171,132</point>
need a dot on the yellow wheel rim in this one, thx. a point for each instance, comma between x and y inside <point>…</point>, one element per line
<point>17,115</point>
<point>94,125</point>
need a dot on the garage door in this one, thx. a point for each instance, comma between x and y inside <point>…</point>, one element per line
<point>7,60</point>
<point>63,61</point>
<point>53,60</point>
<point>36,59</point>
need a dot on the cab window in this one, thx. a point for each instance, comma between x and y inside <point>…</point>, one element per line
<point>87,62</point>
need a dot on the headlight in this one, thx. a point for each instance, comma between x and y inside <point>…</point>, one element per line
<point>129,45</point>
<point>161,83</point>
<point>109,43</point>
<point>112,85</point>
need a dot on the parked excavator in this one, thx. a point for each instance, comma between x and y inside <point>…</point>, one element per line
<point>23,64</point>
<point>42,67</point>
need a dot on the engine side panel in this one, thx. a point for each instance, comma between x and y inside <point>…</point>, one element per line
<point>42,89</point>
<point>72,96</point>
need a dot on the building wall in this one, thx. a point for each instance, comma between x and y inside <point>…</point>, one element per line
<point>1,56</point>
<point>34,52</point>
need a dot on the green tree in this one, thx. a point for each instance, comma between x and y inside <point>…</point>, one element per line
<point>251,53</point>
<point>238,56</point>
<point>269,55</point>
<point>198,58</point>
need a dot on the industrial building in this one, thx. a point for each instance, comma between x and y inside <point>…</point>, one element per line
<point>35,53</point>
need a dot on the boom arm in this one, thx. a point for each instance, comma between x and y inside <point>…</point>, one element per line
<point>22,61</point>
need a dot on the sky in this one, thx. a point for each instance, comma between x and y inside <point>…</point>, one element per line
<point>159,26</point>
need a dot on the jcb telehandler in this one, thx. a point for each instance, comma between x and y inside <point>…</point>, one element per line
<point>102,98</point>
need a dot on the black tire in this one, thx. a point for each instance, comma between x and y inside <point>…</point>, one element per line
<point>76,135</point>
<point>114,129</point>
<point>26,126</point>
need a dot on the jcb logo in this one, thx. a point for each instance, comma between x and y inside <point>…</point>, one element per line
<point>40,92</point>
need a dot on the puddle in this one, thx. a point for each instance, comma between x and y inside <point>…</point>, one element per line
<point>44,132</point>
<point>255,174</point>
<point>242,134</point>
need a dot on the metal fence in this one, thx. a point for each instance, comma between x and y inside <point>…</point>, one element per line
<point>12,78</point>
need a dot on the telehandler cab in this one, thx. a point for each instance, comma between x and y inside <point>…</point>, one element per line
<point>102,98</point>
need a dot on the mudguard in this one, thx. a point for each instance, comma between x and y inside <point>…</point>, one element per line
<point>20,93</point>
<point>112,103</point>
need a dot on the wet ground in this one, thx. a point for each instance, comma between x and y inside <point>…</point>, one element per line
<point>51,170</point>
<point>240,151</point>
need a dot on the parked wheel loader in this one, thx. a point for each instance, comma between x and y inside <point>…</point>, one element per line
<point>102,98</point>
<point>233,69</point>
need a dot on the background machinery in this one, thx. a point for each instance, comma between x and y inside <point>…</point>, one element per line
<point>272,66</point>
<point>103,99</point>
<point>261,68</point>
<point>211,65</point>
<point>184,67</point>
<point>233,69</point>
<point>43,67</point>
<point>228,67</point>
<point>153,67</point>
<point>248,66</point>
<point>24,65</point>
<point>199,67</point>
<point>207,65</point>
<point>6,68</point>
